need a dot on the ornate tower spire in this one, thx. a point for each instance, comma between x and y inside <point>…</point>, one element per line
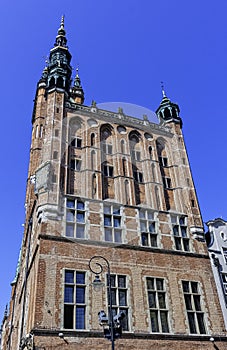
<point>77,92</point>
<point>59,68</point>
<point>168,111</point>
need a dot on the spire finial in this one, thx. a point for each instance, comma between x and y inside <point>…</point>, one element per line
<point>163,91</point>
<point>62,21</point>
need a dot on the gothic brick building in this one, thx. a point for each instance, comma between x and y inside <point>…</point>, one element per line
<point>102,183</point>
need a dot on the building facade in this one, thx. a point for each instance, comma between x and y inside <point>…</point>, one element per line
<point>106,184</point>
<point>216,238</point>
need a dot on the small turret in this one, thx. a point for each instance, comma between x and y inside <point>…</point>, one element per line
<point>168,111</point>
<point>77,92</point>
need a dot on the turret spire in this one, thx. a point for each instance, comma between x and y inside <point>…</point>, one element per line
<point>77,92</point>
<point>61,38</point>
<point>163,91</point>
<point>168,111</point>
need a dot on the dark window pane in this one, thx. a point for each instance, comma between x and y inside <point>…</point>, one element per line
<point>70,204</point>
<point>107,220</point>
<point>111,171</point>
<point>150,283</point>
<point>142,214</point>
<point>122,297</point>
<point>151,300</point>
<point>154,321</point>
<point>80,217</point>
<point>114,298</point>
<point>176,230</point>
<point>201,324</point>
<point>108,235</point>
<point>159,284</point>
<point>152,227</point>
<point>182,221</point>
<point>78,143</point>
<point>80,317</point>
<point>116,211</point>
<point>80,205</point>
<point>117,222</point>
<point>153,240</point>
<point>125,320</point>
<point>194,287</point>
<point>80,295</point>
<point>164,322</point>
<point>191,321</point>
<point>113,281</point>
<point>185,285</point>
<point>186,244</point>
<point>69,276</point>
<point>68,316</point>
<point>144,238</point>
<point>69,291</point>
<point>183,232</point>
<point>197,302</point>
<point>178,243</point>
<point>188,301</point>
<point>143,226</point>
<point>161,300</point>
<point>122,281</point>
<point>80,278</point>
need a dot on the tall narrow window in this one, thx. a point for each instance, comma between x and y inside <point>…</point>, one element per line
<point>41,131</point>
<point>108,170</point>
<point>224,282</point>
<point>74,300</point>
<point>138,176</point>
<point>75,218</point>
<point>92,139</point>
<point>94,185</point>
<point>127,192</point>
<point>112,224</point>
<point>195,314</point>
<point>148,228</point>
<point>122,146</point>
<point>180,234</point>
<point>157,305</point>
<point>119,293</point>
<point>150,152</point>
<point>93,160</point>
<point>124,166</point>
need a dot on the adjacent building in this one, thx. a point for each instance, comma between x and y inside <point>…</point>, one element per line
<point>108,184</point>
<point>216,238</point>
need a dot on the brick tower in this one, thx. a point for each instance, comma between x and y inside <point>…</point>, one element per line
<point>108,185</point>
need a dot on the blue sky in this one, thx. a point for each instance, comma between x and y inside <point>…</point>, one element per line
<point>124,49</point>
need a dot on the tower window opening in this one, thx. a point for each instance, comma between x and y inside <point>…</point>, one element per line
<point>148,228</point>
<point>112,224</point>
<point>179,229</point>
<point>92,139</point>
<point>76,142</point>
<point>75,218</point>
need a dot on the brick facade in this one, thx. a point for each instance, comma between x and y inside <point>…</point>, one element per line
<point>107,184</point>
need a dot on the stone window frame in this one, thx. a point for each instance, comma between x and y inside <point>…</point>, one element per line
<point>75,218</point>
<point>194,307</point>
<point>158,304</point>
<point>112,216</point>
<point>180,233</point>
<point>74,299</point>
<point>148,217</point>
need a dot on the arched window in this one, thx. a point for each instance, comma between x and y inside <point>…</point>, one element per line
<point>94,185</point>
<point>122,146</point>
<point>92,139</point>
<point>150,152</point>
<point>37,131</point>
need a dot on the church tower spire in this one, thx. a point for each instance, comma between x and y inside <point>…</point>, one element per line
<point>77,92</point>
<point>168,111</point>
<point>59,68</point>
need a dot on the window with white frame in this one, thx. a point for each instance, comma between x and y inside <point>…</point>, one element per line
<point>107,148</point>
<point>119,294</point>
<point>193,305</point>
<point>112,223</point>
<point>108,170</point>
<point>75,218</point>
<point>179,229</point>
<point>77,142</point>
<point>136,155</point>
<point>75,164</point>
<point>138,176</point>
<point>74,300</point>
<point>166,182</point>
<point>148,228</point>
<point>156,291</point>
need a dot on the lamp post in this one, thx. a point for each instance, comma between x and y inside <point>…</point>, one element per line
<point>100,260</point>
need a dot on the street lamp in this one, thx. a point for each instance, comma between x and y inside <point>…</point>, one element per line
<point>96,265</point>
